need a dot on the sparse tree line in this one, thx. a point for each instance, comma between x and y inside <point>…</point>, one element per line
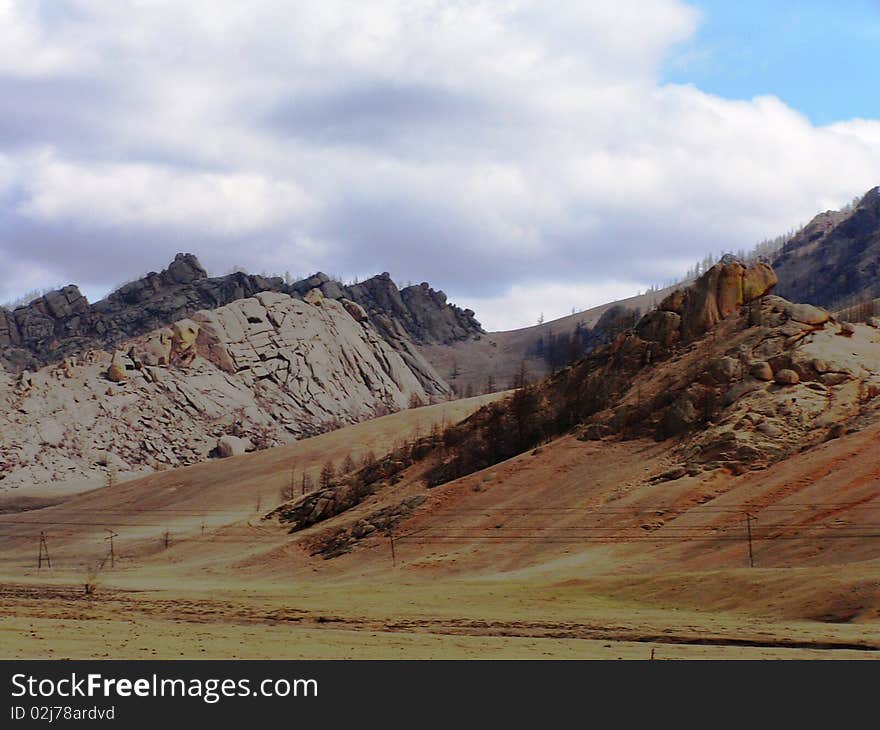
<point>859,308</point>
<point>558,350</point>
<point>303,481</point>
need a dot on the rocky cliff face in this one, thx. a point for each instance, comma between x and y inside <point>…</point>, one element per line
<point>746,376</point>
<point>733,375</point>
<point>420,311</point>
<point>257,372</point>
<point>687,314</point>
<point>835,259</point>
<point>63,323</point>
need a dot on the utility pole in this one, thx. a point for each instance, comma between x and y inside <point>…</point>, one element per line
<point>111,554</point>
<point>749,519</point>
<point>259,501</point>
<point>203,525</point>
<point>44,552</point>
<point>393,556</point>
<point>167,538</point>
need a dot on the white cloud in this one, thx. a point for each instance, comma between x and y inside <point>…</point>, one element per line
<point>8,174</point>
<point>523,304</point>
<point>149,195</point>
<point>28,48</point>
<point>504,151</point>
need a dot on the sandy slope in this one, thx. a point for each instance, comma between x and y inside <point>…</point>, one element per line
<point>220,494</point>
<point>568,552</point>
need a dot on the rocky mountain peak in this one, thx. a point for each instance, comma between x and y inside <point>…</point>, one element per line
<point>63,323</point>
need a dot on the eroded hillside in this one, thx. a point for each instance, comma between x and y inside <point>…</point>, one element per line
<point>724,374</point>
<point>255,373</point>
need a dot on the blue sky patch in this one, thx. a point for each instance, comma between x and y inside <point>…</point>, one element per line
<point>813,54</point>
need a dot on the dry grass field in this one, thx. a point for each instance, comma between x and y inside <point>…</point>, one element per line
<point>568,552</point>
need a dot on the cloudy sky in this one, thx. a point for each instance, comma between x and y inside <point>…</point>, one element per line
<point>525,156</point>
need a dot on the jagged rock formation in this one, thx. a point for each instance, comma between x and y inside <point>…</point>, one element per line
<point>737,376</point>
<point>835,259</point>
<point>419,310</point>
<point>759,377</point>
<point>318,354</point>
<point>268,368</point>
<point>689,313</point>
<point>63,323</point>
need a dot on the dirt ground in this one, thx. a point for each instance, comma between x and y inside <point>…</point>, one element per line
<point>567,553</point>
<point>422,620</point>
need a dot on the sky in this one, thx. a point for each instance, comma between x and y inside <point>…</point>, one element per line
<point>526,157</point>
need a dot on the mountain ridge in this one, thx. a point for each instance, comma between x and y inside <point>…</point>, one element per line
<point>62,323</point>
<point>834,261</point>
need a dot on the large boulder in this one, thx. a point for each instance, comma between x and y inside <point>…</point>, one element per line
<point>332,290</point>
<point>762,371</point>
<point>807,314</point>
<point>717,294</point>
<point>758,281</point>
<point>229,445</point>
<point>314,297</point>
<point>155,349</point>
<point>355,310</point>
<point>730,288</point>
<point>185,269</point>
<point>786,376</point>
<point>660,326</point>
<point>118,370</point>
<point>184,334</point>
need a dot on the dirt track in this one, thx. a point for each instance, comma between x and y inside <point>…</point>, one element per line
<point>38,621</point>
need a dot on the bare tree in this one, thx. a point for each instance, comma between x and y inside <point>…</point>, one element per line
<point>288,491</point>
<point>328,472</point>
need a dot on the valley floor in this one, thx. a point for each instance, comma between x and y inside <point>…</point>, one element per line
<point>570,552</point>
<point>427,620</point>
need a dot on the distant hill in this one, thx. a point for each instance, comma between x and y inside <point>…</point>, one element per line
<point>834,261</point>
<point>499,358</point>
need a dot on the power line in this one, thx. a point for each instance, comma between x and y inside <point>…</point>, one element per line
<point>44,553</point>
<point>749,519</point>
<point>111,554</point>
